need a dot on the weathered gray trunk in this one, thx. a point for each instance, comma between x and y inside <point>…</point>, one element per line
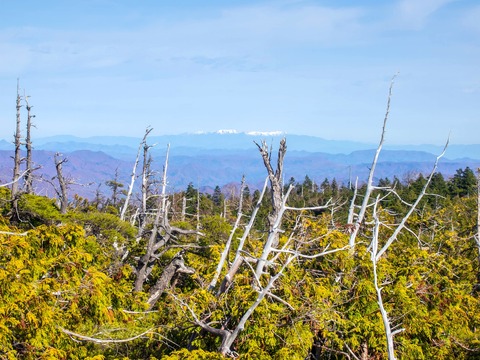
<point>176,266</point>
<point>277,199</point>
<point>146,262</point>
<point>28,146</point>
<point>17,142</point>
<point>62,183</point>
<point>275,177</point>
<point>134,171</point>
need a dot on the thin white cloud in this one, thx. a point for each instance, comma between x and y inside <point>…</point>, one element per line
<point>310,23</point>
<point>471,19</point>
<point>238,38</point>
<point>414,13</point>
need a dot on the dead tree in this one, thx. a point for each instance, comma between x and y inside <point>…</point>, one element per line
<point>226,250</point>
<point>17,142</point>
<point>229,336</point>
<point>174,268</point>
<point>62,194</point>
<point>478,210</point>
<point>275,177</point>
<point>132,180</point>
<point>389,334</point>
<point>366,199</point>
<point>476,287</point>
<point>146,187</point>
<point>28,145</point>
<point>377,250</point>
<point>164,180</point>
<point>239,254</point>
<point>161,236</point>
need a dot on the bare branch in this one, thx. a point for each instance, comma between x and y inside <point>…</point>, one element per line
<point>14,233</point>
<point>400,227</point>
<point>102,341</point>
<point>132,180</point>
<point>226,250</point>
<point>366,199</point>
<point>251,222</point>
<point>15,180</point>
<point>374,258</point>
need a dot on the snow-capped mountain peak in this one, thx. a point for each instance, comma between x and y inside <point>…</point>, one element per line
<point>226,131</point>
<point>265,133</point>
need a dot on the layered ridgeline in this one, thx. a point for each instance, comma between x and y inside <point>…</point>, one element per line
<point>221,159</point>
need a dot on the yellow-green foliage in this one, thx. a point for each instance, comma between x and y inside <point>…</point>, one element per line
<point>37,210</point>
<point>53,278</point>
<point>193,355</point>
<point>60,275</point>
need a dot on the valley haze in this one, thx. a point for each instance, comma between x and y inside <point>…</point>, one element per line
<point>223,157</point>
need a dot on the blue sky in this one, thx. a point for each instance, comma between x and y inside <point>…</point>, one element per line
<point>105,67</point>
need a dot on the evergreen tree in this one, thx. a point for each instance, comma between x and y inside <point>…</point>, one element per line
<point>463,183</point>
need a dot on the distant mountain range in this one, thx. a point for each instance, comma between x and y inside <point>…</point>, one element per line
<point>221,158</point>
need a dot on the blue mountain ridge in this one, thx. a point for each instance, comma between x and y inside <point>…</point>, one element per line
<point>207,160</point>
<point>119,146</point>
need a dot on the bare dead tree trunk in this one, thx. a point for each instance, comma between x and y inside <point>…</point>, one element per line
<point>62,182</point>
<point>224,214</point>
<point>198,213</point>
<point>184,207</point>
<point>146,262</point>
<point>366,199</point>
<point>155,242</point>
<point>250,223</point>
<point>146,185</point>
<point>28,145</point>
<point>17,141</point>
<point>226,250</point>
<point>351,210</point>
<point>275,177</point>
<point>377,253</point>
<point>132,181</point>
<point>176,266</point>
<point>229,336</point>
<point>164,182</point>
<point>478,206</point>
<point>477,235</point>
<point>143,209</point>
<point>160,236</point>
<point>386,321</point>
<point>272,237</point>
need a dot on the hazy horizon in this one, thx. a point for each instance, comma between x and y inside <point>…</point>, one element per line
<point>311,67</point>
